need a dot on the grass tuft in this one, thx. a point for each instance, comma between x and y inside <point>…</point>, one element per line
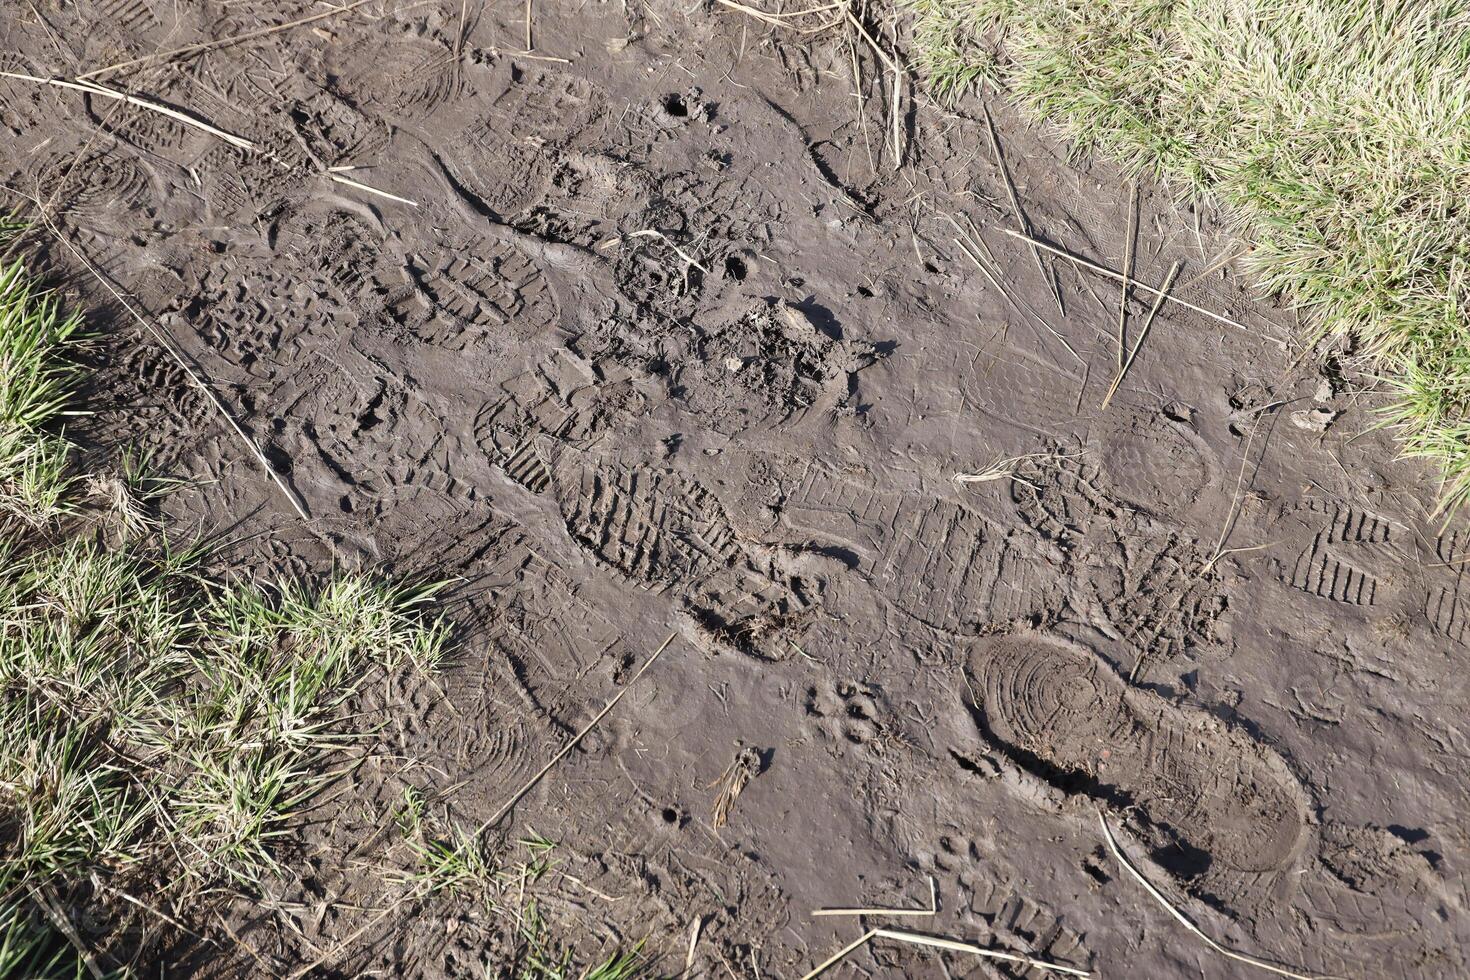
<point>155,725</point>
<point>36,380</point>
<point>1337,135</point>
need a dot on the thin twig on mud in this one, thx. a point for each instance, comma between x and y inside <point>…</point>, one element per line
<point>220,43</point>
<point>331,955</point>
<point>862,102</point>
<point>972,244</point>
<point>780,19</point>
<point>531,783</point>
<point>359,185</point>
<point>1005,173</point>
<point>92,88</point>
<point>897,94</point>
<point>1103,270</point>
<point>1237,498</point>
<point>693,942</point>
<point>897,118</point>
<point>1227,257</point>
<point>1183,920</point>
<point>157,333</point>
<point>1142,334</point>
<point>239,142</point>
<point>1127,273</point>
<point>528,55</point>
<point>688,259</point>
<point>953,946</point>
<point>931,910</point>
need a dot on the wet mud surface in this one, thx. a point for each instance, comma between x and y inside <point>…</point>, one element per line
<point>672,343</point>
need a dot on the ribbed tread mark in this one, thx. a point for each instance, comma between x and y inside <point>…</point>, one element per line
<point>937,560</point>
<point>525,466</point>
<point>1321,573</point>
<point>943,566</point>
<point>1445,605</point>
<point>640,534</point>
<point>665,531</point>
<point>1447,613</point>
<point>473,290</point>
<point>627,521</point>
<point>130,15</point>
<point>820,489</point>
<point>1017,918</point>
<point>1355,525</point>
<point>1349,525</point>
<point>1331,564</point>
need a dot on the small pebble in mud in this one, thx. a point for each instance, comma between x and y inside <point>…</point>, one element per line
<point>1315,419</point>
<point>733,364</point>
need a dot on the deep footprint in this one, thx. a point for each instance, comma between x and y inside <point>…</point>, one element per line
<point>1067,717</point>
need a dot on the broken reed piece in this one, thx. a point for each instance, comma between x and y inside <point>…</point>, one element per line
<point>1103,270</point>
<point>576,739</point>
<point>931,910</point>
<point>1127,273</point>
<point>1183,920</point>
<point>780,19</point>
<point>220,43</point>
<point>239,142</point>
<point>920,939</point>
<point>688,259</point>
<point>935,942</point>
<point>971,244</point>
<point>166,342</point>
<point>92,88</point>
<point>1142,334</point>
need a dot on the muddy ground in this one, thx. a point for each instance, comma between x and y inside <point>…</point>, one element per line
<point>673,344</point>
